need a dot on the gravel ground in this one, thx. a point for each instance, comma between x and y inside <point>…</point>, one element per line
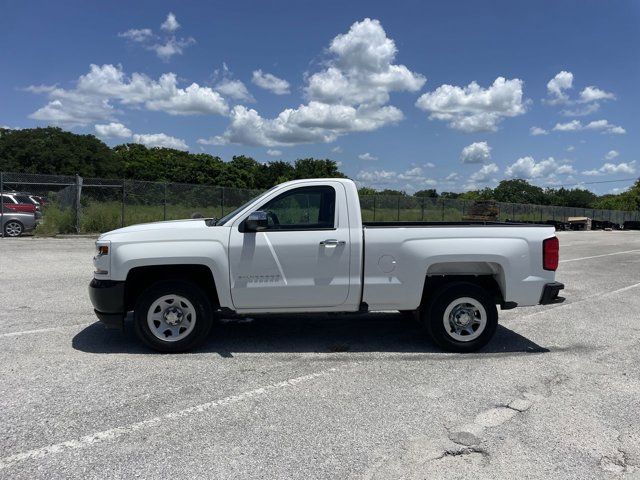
<point>555,395</point>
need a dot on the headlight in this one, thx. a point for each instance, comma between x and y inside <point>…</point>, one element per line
<point>101,260</point>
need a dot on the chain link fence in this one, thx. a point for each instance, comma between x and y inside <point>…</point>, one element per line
<point>91,205</point>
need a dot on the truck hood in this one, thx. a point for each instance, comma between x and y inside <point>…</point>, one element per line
<point>172,229</point>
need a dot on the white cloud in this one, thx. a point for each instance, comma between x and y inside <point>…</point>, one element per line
<point>139,35</point>
<point>274,153</point>
<point>413,177</point>
<point>77,110</point>
<point>113,129</point>
<point>362,71</point>
<point>430,165</point>
<point>311,123</point>
<point>160,140</point>
<point>611,154</point>
<point>557,85</point>
<point>609,168</point>
<point>571,126</point>
<point>337,149</point>
<point>478,152</point>
<point>234,89</point>
<point>570,148</point>
<point>528,168</point>
<point>585,104</point>
<point>270,82</point>
<point>411,174</point>
<point>166,45</point>
<point>484,174</point>
<point>581,110</point>
<point>90,100</point>
<point>602,126</point>
<point>367,157</point>
<point>473,108</point>
<point>592,94</point>
<point>172,46</point>
<point>377,176</point>
<point>452,177</point>
<point>349,95</point>
<point>170,24</point>
<point>537,131</point>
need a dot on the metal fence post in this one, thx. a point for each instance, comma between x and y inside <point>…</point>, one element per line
<point>124,195</point>
<point>374,207</point>
<point>77,202</point>
<point>164,202</point>
<point>442,201</point>
<point>398,208</point>
<point>422,209</point>
<point>222,201</point>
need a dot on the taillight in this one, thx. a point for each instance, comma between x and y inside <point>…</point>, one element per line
<point>550,253</point>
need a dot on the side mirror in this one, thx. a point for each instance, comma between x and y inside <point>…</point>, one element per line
<point>256,221</point>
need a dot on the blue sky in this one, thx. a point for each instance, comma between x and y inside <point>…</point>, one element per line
<point>408,94</point>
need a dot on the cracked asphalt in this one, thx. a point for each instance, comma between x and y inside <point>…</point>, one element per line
<point>555,395</point>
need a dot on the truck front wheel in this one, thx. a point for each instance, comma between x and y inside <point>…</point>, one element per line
<point>173,316</point>
<point>461,317</point>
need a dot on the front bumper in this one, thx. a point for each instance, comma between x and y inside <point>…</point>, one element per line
<point>550,293</point>
<point>107,297</point>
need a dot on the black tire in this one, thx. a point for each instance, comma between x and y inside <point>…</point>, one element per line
<point>194,295</point>
<point>13,225</point>
<point>434,312</point>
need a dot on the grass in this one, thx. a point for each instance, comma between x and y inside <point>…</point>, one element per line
<point>99,217</point>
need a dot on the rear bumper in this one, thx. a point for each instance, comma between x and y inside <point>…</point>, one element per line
<point>107,297</point>
<point>550,293</point>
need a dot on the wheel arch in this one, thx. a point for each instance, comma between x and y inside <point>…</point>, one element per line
<point>140,278</point>
<point>486,281</point>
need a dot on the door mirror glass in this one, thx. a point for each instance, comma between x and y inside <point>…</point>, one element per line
<point>256,221</point>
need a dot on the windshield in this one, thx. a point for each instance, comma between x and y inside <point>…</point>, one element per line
<point>232,214</point>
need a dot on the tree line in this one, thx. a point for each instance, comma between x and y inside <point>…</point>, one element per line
<point>55,151</point>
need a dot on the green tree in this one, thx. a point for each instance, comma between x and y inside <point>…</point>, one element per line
<point>391,192</point>
<point>575,197</point>
<point>273,173</point>
<point>316,168</point>
<point>54,151</point>
<point>519,191</point>
<point>364,191</point>
<point>450,195</point>
<point>430,192</point>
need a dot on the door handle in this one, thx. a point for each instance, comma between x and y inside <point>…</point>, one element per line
<point>332,242</point>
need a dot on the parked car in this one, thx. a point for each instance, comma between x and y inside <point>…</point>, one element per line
<point>14,224</point>
<point>302,247</point>
<point>18,202</point>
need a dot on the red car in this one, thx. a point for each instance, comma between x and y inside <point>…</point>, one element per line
<point>14,202</point>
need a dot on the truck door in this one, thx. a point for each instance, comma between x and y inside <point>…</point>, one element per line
<point>301,259</point>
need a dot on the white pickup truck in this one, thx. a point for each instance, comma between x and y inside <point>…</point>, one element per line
<point>302,247</point>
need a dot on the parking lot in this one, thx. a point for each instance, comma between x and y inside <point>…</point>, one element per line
<point>555,395</point>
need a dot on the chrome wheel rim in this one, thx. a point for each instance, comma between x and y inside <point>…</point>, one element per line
<point>13,229</point>
<point>464,319</point>
<point>171,318</point>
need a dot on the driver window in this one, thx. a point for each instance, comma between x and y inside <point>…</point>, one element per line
<point>302,208</point>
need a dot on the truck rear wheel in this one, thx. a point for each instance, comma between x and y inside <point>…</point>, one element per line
<point>173,316</point>
<point>461,317</point>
